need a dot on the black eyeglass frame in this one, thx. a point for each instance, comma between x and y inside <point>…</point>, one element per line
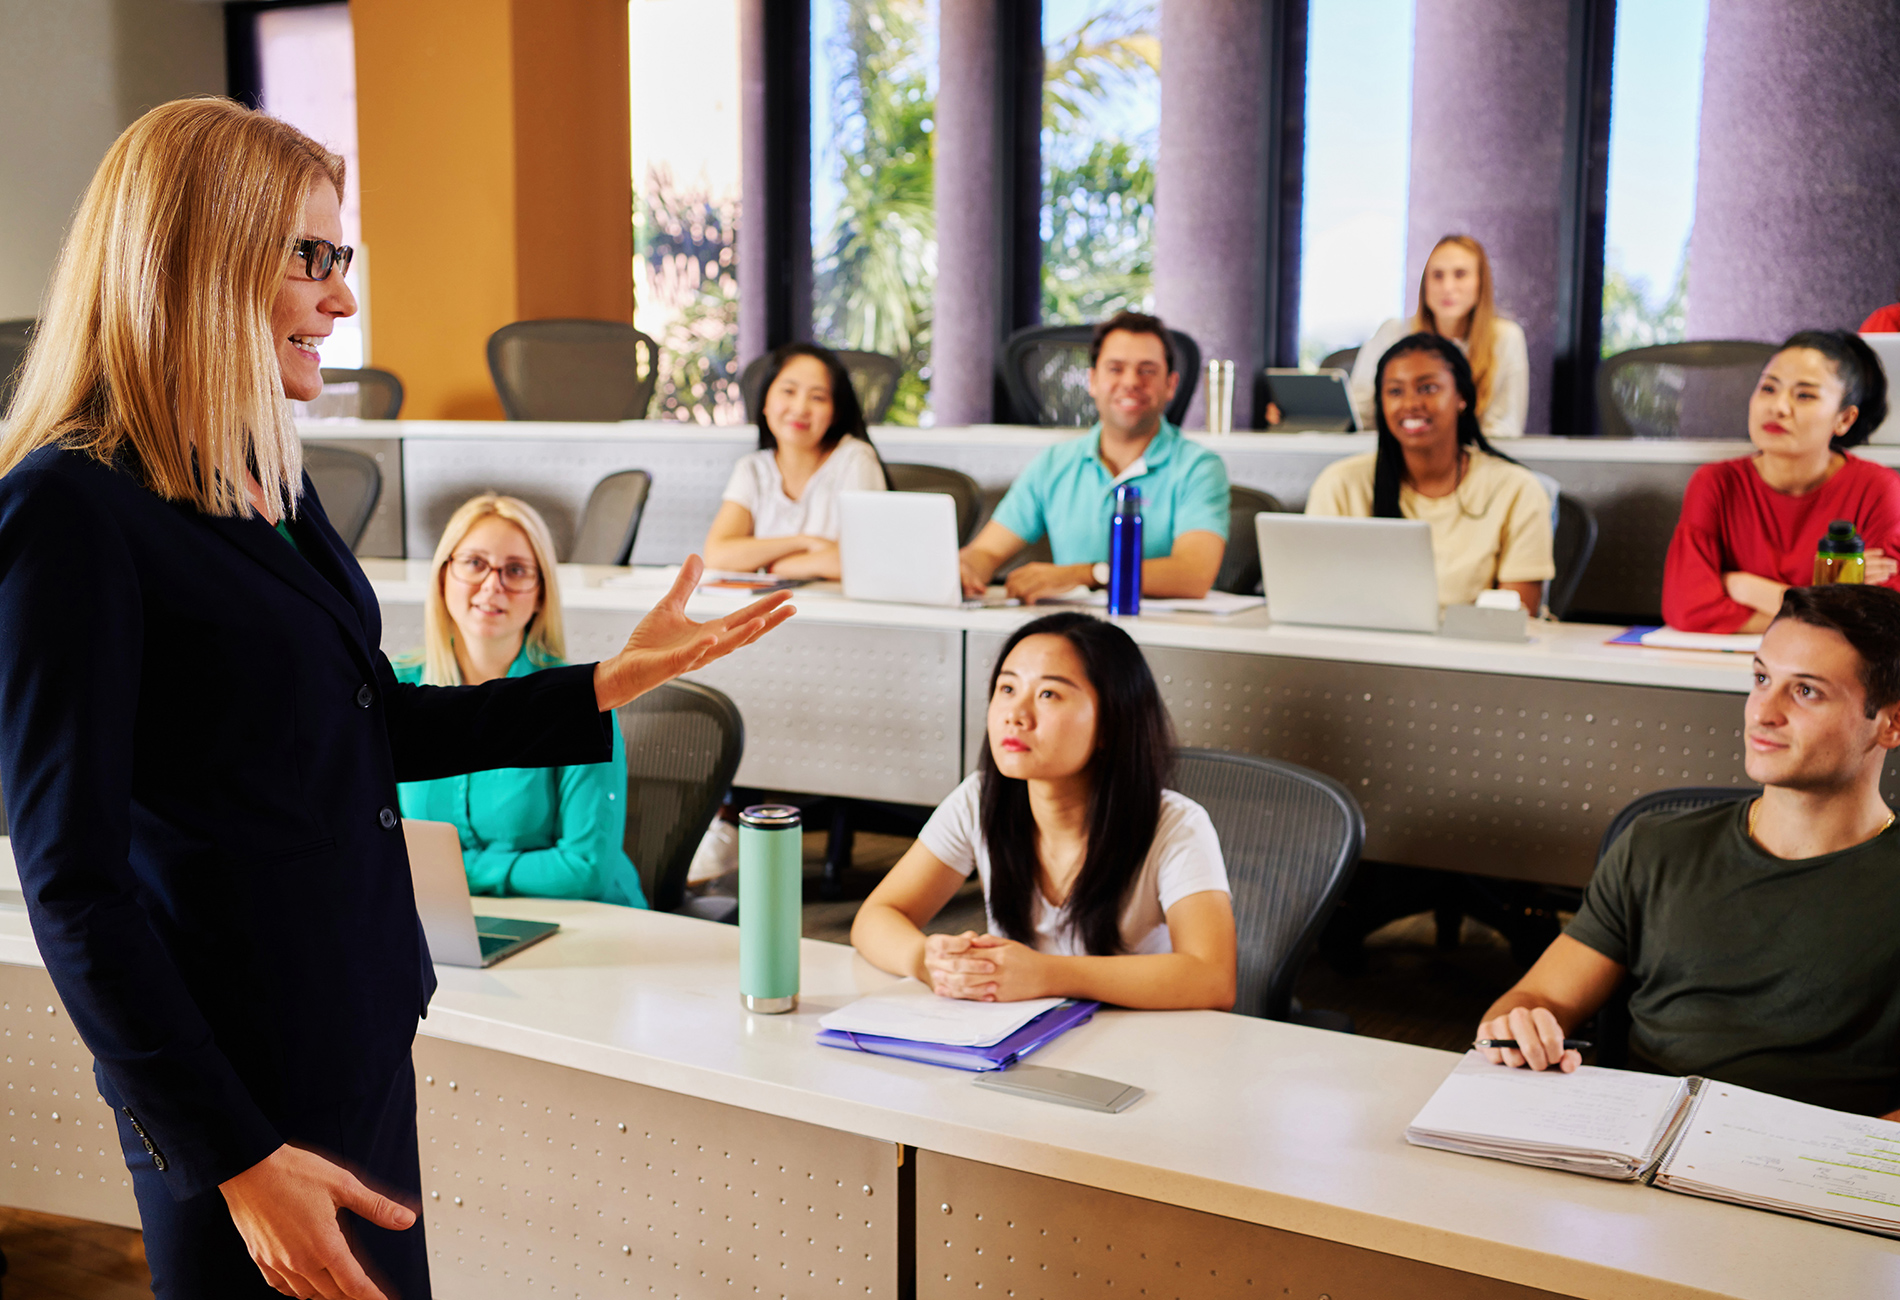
<point>321,257</point>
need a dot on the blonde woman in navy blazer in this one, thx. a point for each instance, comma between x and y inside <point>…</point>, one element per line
<point>199,738</point>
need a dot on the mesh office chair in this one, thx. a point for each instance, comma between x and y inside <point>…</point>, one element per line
<point>1046,371</point>
<point>1240,567</point>
<point>1290,837</point>
<point>598,370</point>
<point>684,742</point>
<point>874,378</point>
<point>365,394</point>
<point>1680,390</point>
<point>1572,545</point>
<point>1340,360</point>
<point>611,519</point>
<point>348,484</point>
<point>955,484</point>
<point>14,336</point>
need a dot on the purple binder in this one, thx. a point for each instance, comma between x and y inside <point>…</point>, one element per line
<point>1051,1024</point>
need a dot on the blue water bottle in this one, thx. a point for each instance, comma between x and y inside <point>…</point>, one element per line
<point>1124,552</point>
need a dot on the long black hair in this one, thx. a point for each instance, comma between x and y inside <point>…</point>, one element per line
<point>1388,473</point>
<point>847,417</point>
<point>1861,376</point>
<point>1134,753</point>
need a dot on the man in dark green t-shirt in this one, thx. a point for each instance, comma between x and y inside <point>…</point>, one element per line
<point>1763,935</point>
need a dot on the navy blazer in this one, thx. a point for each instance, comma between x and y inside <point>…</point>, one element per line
<point>200,741</point>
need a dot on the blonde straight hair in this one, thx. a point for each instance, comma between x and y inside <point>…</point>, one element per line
<point>156,345</point>
<point>1481,338</point>
<point>546,642</point>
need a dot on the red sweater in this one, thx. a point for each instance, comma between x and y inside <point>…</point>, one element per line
<point>1733,522</point>
<point>1885,320</point>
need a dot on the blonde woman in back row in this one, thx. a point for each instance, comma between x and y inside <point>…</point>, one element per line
<point>1456,301</point>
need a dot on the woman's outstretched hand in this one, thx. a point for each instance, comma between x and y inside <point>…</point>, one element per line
<point>667,643</point>
<point>285,1207</point>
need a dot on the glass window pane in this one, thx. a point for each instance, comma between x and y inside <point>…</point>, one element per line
<point>1101,124</point>
<point>874,224</point>
<point>684,65</point>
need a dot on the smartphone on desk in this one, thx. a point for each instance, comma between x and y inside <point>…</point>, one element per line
<point>1063,1087</point>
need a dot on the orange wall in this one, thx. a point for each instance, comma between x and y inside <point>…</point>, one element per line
<point>494,151</point>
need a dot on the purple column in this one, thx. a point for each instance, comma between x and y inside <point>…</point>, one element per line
<point>1798,182</point>
<point>1487,156</point>
<point>969,309</point>
<point>1211,187</point>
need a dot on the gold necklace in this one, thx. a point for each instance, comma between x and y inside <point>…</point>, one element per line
<point>1754,812</point>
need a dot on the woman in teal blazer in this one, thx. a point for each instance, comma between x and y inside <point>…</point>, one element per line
<point>494,610</point>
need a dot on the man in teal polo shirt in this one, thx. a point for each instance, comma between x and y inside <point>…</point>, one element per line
<point>1067,493</point>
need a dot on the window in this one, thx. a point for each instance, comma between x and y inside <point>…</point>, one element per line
<point>1655,124</point>
<point>873,185</point>
<point>684,64</point>
<point>1358,160</point>
<point>1101,123</point>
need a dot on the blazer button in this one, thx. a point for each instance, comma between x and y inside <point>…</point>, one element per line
<point>388,818</point>
<point>365,697</point>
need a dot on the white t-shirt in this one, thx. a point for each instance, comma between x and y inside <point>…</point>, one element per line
<point>1510,404</point>
<point>755,484</point>
<point>1184,859</point>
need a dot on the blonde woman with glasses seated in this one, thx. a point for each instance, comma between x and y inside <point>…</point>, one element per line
<point>494,611</point>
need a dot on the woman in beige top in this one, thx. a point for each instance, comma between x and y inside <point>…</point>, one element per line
<point>1489,515</point>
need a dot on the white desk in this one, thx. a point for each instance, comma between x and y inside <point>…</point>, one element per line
<point>1265,1151</point>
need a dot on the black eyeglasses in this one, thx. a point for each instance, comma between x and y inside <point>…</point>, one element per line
<point>320,257</point>
<point>474,569</point>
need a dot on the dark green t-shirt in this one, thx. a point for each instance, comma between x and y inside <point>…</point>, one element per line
<point>1778,975</point>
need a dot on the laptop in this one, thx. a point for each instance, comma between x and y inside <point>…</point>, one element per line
<point>1887,348</point>
<point>1343,572</point>
<point>901,547</point>
<point>1317,400</point>
<point>458,937</point>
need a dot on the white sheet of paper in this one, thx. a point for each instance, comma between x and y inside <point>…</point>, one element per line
<point>1613,1111</point>
<point>912,1011</point>
<point>1668,638</point>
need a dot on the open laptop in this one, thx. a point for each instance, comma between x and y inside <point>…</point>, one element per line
<point>1887,348</point>
<point>1343,572</point>
<point>1316,400</point>
<point>458,937</point>
<point>901,547</point>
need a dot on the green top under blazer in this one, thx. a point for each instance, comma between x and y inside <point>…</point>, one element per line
<point>540,832</point>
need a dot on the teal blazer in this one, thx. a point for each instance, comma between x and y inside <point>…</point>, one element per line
<point>542,832</point>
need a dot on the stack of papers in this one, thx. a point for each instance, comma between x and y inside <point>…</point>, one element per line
<point>1669,638</point>
<point>911,1011</point>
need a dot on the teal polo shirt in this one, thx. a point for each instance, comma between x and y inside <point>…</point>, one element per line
<point>1067,495</point>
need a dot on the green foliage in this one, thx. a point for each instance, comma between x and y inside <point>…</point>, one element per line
<point>1629,321</point>
<point>684,244</point>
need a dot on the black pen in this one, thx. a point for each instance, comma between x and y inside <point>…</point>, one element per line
<point>1570,1044</point>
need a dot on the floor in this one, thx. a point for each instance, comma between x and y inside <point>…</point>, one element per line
<point>1410,990</point>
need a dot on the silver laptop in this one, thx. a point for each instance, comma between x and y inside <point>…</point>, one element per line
<point>1370,573</point>
<point>1316,400</point>
<point>1887,348</point>
<point>901,547</point>
<point>458,937</point>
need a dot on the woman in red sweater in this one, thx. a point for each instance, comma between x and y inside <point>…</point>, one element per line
<point>1749,527</point>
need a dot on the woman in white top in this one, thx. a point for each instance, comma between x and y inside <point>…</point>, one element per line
<point>1099,883</point>
<point>780,511</point>
<point>1455,301</point>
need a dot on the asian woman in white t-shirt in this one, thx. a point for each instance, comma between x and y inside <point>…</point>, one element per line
<point>780,511</point>
<point>1098,881</point>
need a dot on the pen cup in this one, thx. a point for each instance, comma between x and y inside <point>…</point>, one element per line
<point>771,902</point>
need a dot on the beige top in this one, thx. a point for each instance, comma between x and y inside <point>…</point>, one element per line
<point>1494,528</point>
<point>1502,417</point>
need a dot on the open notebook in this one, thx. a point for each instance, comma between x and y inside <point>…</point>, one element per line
<point>1695,1136</point>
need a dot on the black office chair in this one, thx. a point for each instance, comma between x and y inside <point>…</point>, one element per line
<point>598,370</point>
<point>1697,389</point>
<point>14,337</point>
<point>1612,1032</point>
<point>684,742</point>
<point>1340,360</point>
<point>1046,372</point>
<point>1571,548</point>
<point>1240,567</point>
<point>955,484</point>
<point>611,519</point>
<point>873,375</point>
<point>377,395</point>
<point>1290,837</point>
<point>348,484</point>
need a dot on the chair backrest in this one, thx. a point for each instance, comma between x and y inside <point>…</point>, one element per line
<point>953,483</point>
<point>348,483</point>
<point>364,394</point>
<point>1290,837</point>
<point>14,337</point>
<point>684,742</point>
<point>573,370</point>
<point>611,519</point>
<point>1240,567</point>
<point>1697,389</point>
<point>1572,545</point>
<point>1046,371</point>
<point>874,378</point>
<point>1340,360</point>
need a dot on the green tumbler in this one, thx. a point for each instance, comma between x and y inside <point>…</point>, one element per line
<point>771,906</point>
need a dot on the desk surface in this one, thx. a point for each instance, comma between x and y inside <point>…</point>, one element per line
<point>1269,1123</point>
<point>1570,651</point>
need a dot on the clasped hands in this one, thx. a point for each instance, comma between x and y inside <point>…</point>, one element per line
<point>667,643</point>
<point>983,968</point>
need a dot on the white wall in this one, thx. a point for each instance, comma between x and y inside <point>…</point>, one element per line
<point>73,74</point>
